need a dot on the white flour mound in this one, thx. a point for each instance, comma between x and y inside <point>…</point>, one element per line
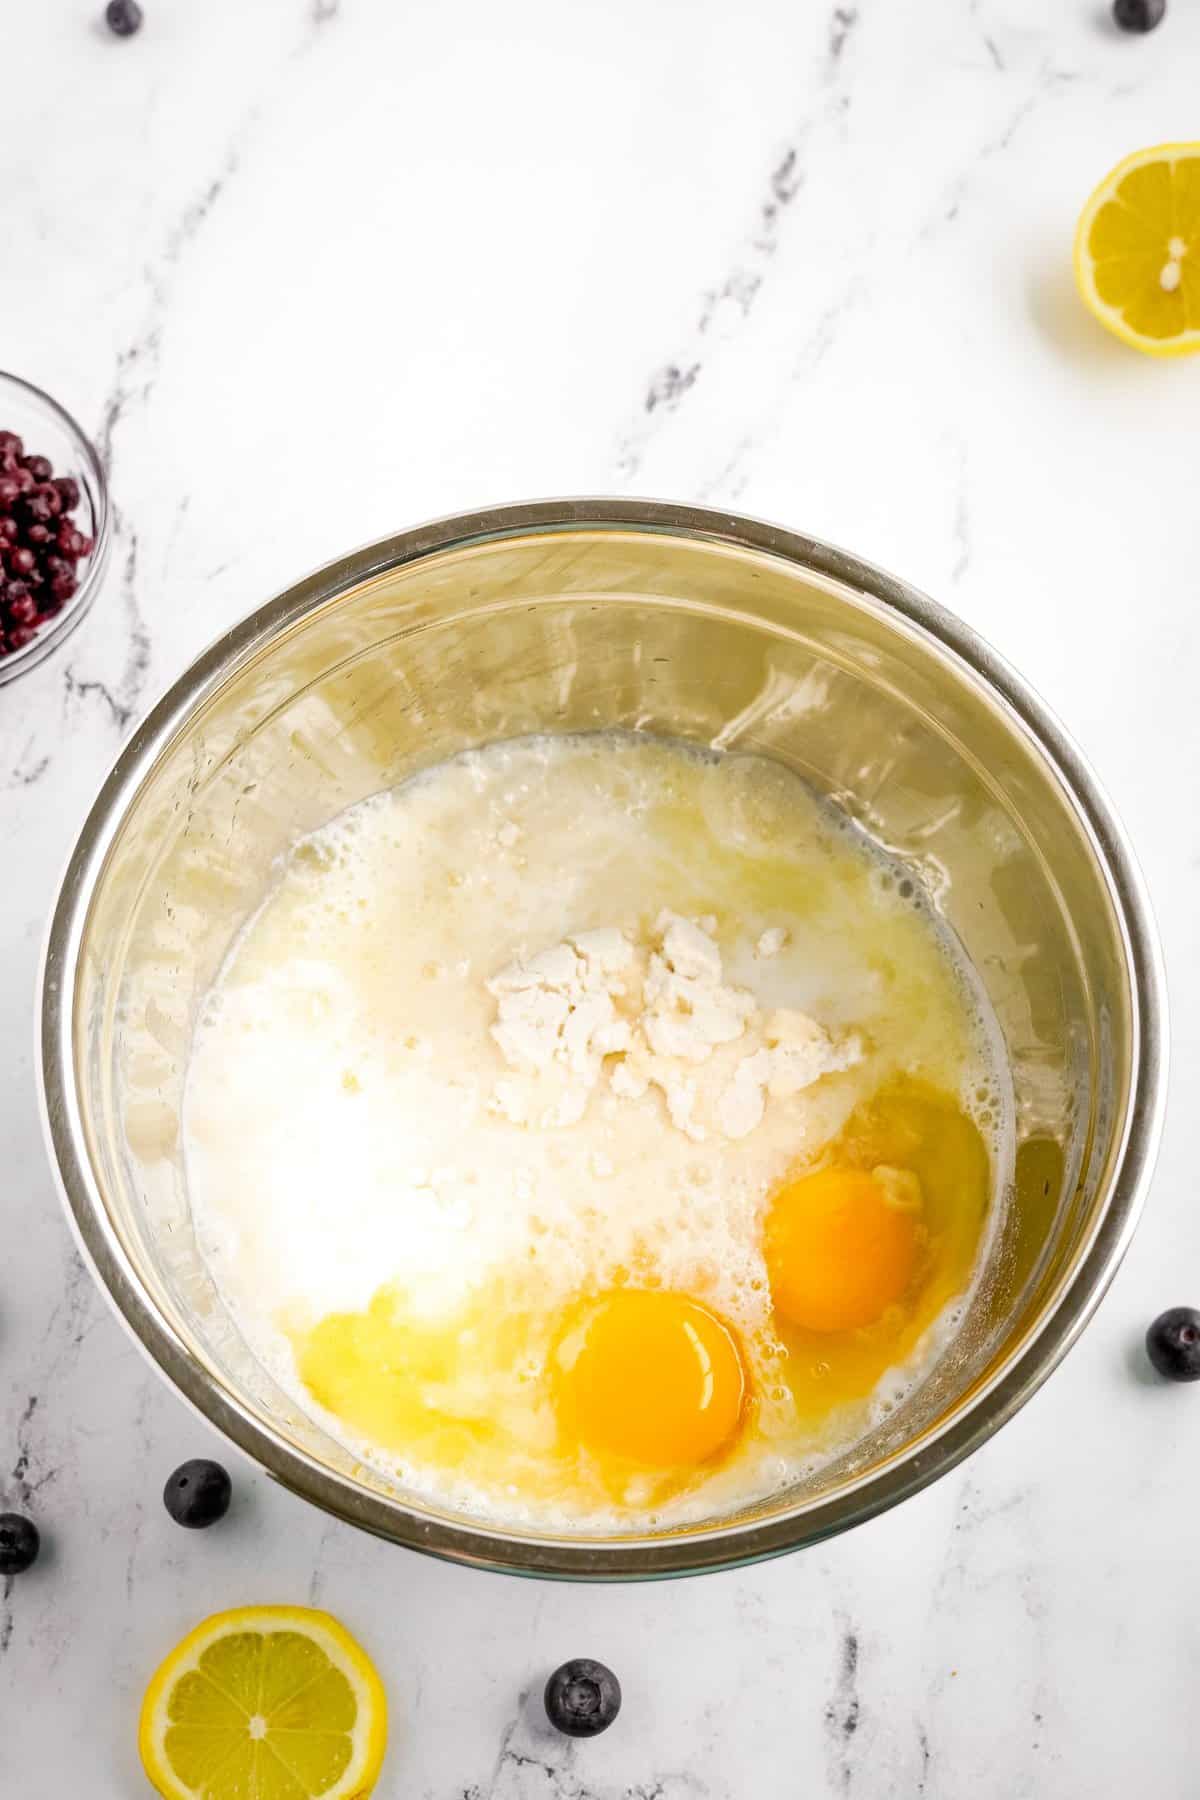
<point>652,1013</point>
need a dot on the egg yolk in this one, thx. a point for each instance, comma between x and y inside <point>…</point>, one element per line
<point>652,1378</point>
<point>841,1246</point>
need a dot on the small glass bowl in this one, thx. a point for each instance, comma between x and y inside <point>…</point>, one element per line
<point>49,430</point>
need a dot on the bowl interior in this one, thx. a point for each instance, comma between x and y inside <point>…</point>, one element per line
<point>573,630</point>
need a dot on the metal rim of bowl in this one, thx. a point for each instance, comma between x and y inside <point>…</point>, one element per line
<point>52,636</point>
<point>707,1548</point>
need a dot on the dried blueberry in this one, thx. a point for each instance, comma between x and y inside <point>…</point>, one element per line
<point>38,509</point>
<point>40,544</point>
<point>23,610</point>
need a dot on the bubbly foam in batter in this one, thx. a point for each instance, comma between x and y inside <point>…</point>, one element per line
<point>418,1168</point>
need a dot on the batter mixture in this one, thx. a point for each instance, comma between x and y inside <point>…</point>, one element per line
<point>594,1130</point>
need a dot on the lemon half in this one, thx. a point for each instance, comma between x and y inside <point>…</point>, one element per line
<point>264,1703</point>
<point>1137,250</point>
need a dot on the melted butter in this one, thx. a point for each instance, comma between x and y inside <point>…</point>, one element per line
<point>478,1394</point>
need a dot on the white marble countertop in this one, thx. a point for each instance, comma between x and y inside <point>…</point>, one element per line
<point>312,270</point>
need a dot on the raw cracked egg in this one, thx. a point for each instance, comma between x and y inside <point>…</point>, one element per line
<point>865,1251</point>
<point>841,1246</point>
<point>650,1379</point>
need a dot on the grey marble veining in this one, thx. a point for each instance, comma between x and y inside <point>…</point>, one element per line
<point>312,270</point>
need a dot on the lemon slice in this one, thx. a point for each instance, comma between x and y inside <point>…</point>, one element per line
<point>264,1703</point>
<point>1137,250</point>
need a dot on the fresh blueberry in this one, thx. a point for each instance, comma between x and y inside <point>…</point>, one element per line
<point>123,16</point>
<point>1173,1343</point>
<point>19,1541</point>
<point>198,1493</point>
<point>1139,15</point>
<point>582,1698</point>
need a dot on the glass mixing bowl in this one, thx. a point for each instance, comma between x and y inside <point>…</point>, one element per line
<point>571,616</point>
<point>49,430</point>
